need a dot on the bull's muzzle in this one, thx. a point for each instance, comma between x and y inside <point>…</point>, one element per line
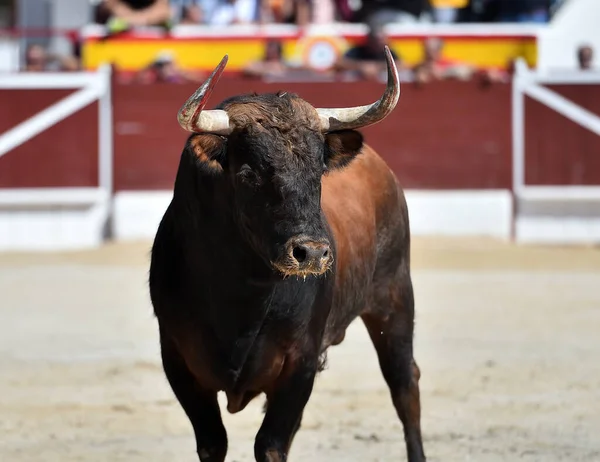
<point>304,257</point>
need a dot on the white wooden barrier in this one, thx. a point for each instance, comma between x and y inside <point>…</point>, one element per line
<point>58,218</point>
<point>552,214</point>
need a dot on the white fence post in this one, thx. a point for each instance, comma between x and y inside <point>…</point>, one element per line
<point>105,132</point>
<point>518,126</point>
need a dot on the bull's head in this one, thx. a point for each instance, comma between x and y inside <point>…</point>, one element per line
<point>271,152</point>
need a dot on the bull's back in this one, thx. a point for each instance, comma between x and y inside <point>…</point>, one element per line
<point>366,210</point>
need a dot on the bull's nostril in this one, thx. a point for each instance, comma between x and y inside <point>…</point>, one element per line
<point>299,254</point>
<point>325,254</point>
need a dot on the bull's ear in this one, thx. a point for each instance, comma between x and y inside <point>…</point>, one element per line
<point>209,151</point>
<point>341,147</point>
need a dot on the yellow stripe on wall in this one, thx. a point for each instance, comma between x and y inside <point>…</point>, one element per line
<point>449,3</point>
<point>135,55</point>
<point>488,52</point>
<point>131,54</point>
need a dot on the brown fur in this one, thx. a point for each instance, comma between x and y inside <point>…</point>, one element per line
<point>204,147</point>
<point>302,116</point>
<point>366,212</point>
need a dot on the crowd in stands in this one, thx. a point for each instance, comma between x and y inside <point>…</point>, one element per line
<point>38,59</point>
<point>121,15</point>
<point>362,61</point>
<point>366,61</point>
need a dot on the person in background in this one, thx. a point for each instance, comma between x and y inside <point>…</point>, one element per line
<point>285,11</point>
<point>227,12</point>
<point>192,11</point>
<point>534,11</point>
<point>585,57</point>
<point>479,11</point>
<point>435,67</point>
<point>323,12</point>
<point>345,10</point>
<point>368,59</point>
<point>493,75</point>
<point>446,11</point>
<point>271,65</point>
<point>164,70</point>
<point>121,15</point>
<point>190,15</point>
<point>382,12</point>
<point>37,59</point>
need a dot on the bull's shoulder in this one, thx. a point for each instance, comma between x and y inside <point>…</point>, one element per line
<point>364,205</point>
<point>356,195</point>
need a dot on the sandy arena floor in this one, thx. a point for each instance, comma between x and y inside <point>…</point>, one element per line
<point>508,340</point>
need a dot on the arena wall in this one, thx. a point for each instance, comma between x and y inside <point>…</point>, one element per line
<point>449,143</point>
<point>51,219</point>
<point>199,47</point>
<point>451,212</point>
<point>453,161</point>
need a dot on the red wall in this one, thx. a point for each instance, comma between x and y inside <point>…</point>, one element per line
<point>448,135</point>
<point>559,151</point>
<point>64,155</point>
<point>440,136</point>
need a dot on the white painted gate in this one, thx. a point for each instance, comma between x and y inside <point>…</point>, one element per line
<point>58,218</point>
<point>561,213</point>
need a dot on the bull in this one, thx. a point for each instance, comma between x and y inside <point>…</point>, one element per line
<point>283,228</point>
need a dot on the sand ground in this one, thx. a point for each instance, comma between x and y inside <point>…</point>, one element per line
<point>507,337</point>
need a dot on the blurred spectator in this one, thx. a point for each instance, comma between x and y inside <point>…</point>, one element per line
<point>368,60</point>
<point>435,67</point>
<point>382,12</point>
<point>446,11</point>
<point>37,59</point>
<point>346,10</point>
<point>191,14</point>
<point>323,11</point>
<point>164,70</point>
<point>537,11</point>
<point>478,11</point>
<point>191,11</point>
<point>493,75</point>
<point>121,15</point>
<point>271,65</point>
<point>228,12</point>
<point>585,56</point>
<point>285,11</point>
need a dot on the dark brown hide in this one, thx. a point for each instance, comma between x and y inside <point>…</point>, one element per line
<point>230,322</point>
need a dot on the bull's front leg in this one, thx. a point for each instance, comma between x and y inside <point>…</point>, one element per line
<point>285,406</point>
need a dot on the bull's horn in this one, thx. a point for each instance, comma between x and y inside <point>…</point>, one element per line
<point>192,118</point>
<point>361,116</point>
